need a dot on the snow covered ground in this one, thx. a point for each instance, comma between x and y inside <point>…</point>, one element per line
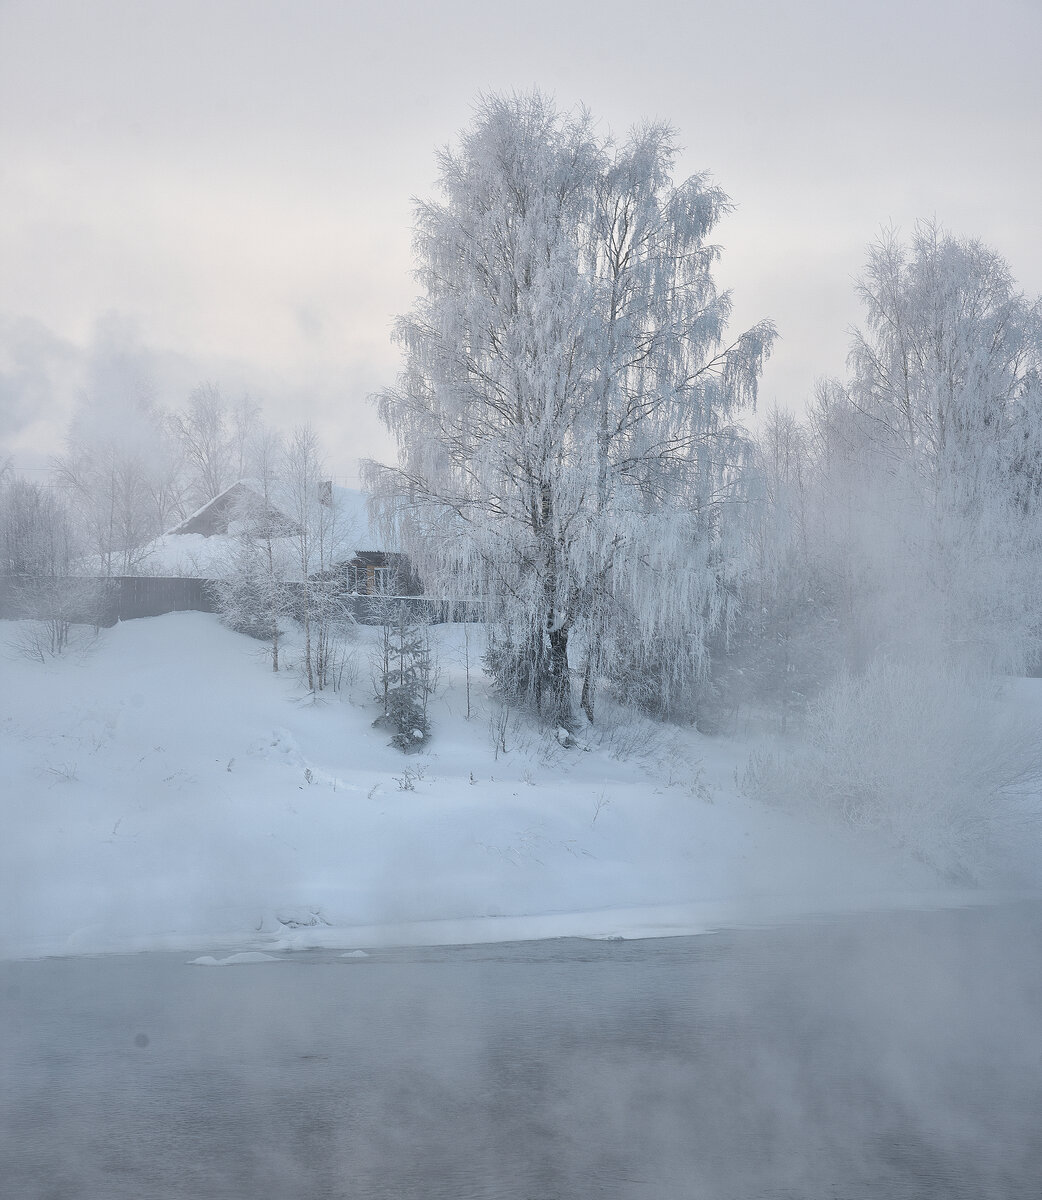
<point>162,788</point>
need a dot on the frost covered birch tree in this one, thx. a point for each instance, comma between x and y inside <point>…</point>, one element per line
<point>947,383</point>
<point>565,418</point>
<point>319,539</point>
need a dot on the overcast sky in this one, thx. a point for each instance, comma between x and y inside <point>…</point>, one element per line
<point>223,188</point>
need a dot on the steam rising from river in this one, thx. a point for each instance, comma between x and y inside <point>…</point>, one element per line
<point>881,1056</point>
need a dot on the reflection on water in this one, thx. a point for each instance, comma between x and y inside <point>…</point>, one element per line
<point>887,1056</point>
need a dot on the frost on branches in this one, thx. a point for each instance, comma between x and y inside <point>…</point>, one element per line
<point>403,674</point>
<point>947,386</point>
<point>567,448</point>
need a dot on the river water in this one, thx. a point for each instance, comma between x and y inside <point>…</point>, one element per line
<point>889,1056</point>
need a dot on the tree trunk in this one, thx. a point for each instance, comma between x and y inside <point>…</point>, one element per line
<point>556,685</point>
<point>307,641</point>
<point>589,688</point>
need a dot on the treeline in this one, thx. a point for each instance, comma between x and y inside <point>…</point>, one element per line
<point>900,518</point>
<point>132,471</point>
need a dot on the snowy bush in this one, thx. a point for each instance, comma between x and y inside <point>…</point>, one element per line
<point>928,757</point>
<point>253,598</point>
<point>405,716</point>
<point>39,640</point>
<point>665,677</point>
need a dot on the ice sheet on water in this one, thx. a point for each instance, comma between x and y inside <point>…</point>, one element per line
<point>247,956</point>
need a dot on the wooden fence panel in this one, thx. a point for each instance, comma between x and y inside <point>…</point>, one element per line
<point>127,598</point>
<point>152,596</point>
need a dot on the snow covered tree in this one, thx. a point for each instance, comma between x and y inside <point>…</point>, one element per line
<point>37,536</point>
<point>949,366</point>
<point>253,595</point>
<point>289,536</point>
<point>319,539</point>
<point>565,418</point>
<point>403,674</point>
<point>783,645</point>
<point>947,388</point>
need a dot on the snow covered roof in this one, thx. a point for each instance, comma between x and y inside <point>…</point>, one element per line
<point>217,515</point>
<point>202,545</point>
<point>193,555</point>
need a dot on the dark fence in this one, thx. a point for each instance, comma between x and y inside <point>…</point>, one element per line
<point>89,601</point>
<point>105,601</point>
<point>151,596</point>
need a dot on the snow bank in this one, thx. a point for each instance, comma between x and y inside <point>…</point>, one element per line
<point>164,789</point>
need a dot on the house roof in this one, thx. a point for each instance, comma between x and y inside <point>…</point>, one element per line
<point>218,514</point>
<point>373,558</point>
<point>202,545</point>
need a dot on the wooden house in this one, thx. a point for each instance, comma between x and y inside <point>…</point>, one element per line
<point>380,573</point>
<point>368,572</point>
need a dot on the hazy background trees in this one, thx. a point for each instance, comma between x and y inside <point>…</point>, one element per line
<point>946,382</point>
<point>290,535</point>
<point>900,516</point>
<point>41,548</point>
<point>133,470</point>
<point>120,473</point>
<point>215,440</point>
<point>899,561</point>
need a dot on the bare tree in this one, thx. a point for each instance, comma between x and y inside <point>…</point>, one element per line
<point>202,431</point>
<point>118,483</point>
<point>40,551</point>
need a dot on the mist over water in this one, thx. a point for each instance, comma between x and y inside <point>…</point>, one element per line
<point>888,1055</point>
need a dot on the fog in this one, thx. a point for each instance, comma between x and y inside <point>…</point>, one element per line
<point>238,182</point>
<point>889,1055</point>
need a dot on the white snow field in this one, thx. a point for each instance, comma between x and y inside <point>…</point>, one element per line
<point>163,789</point>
